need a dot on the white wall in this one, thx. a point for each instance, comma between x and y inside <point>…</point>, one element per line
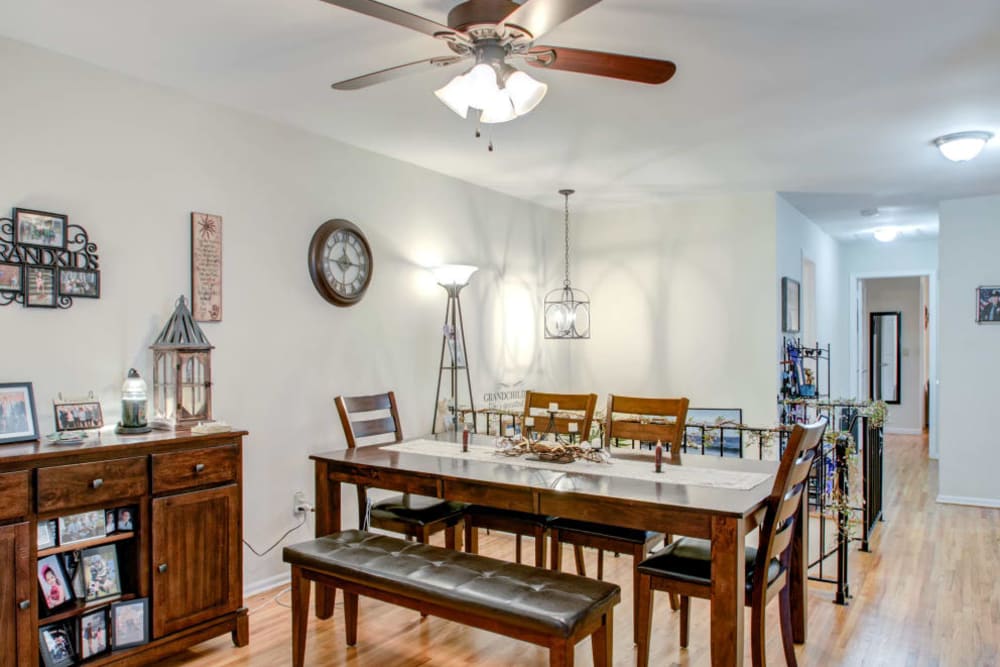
<point>901,295</point>
<point>969,353</point>
<point>683,302</point>
<point>129,161</point>
<point>799,238</point>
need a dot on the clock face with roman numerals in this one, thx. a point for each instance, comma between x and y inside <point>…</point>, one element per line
<point>340,262</point>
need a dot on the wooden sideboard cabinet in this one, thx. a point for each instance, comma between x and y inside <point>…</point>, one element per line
<point>182,550</point>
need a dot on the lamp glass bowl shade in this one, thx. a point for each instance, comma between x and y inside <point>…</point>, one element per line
<point>962,146</point>
<point>886,234</point>
<point>455,95</point>
<point>482,85</point>
<point>499,110</point>
<point>525,92</point>
<point>453,274</point>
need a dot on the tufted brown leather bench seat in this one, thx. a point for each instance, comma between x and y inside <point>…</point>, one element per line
<point>540,606</point>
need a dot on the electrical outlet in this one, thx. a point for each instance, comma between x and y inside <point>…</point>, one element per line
<point>300,505</point>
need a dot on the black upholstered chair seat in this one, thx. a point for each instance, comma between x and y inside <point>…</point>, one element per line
<point>419,510</point>
<point>519,595</point>
<point>630,535</point>
<point>689,559</point>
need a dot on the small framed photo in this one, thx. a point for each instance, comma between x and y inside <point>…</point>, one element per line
<point>109,522</point>
<point>80,282</point>
<point>988,304</point>
<point>56,589</point>
<point>11,277</point>
<point>93,633</point>
<point>78,416</point>
<point>100,572</point>
<point>125,519</point>
<point>18,420</point>
<point>38,228</point>
<point>41,292</point>
<point>71,565</point>
<point>130,623</point>
<point>48,535</point>
<point>81,527</point>
<point>55,643</point>
<point>790,305</point>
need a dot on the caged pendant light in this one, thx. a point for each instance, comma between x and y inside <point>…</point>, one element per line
<point>567,310</point>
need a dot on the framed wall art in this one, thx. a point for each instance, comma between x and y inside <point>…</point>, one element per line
<point>18,419</point>
<point>41,287</point>
<point>988,304</point>
<point>80,282</point>
<point>206,267</point>
<point>41,229</point>
<point>11,277</point>
<point>790,305</point>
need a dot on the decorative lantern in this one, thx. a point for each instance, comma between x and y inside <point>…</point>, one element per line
<point>133,405</point>
<point>182,372</point>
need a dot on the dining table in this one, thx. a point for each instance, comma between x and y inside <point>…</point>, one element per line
<point>717,499</point>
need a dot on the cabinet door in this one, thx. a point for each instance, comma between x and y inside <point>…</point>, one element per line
<point>197,569</point>
<point>17,585</point>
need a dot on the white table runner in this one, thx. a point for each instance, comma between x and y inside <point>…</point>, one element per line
<point>672,474</point>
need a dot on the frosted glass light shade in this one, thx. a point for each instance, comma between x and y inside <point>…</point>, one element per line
<point>482,85</point>
<point>886,234</point>
<point>453,274</point>
<point>499,110</point>
<point>962,146</point>
<point>455,95</point>
<point>525,93</point>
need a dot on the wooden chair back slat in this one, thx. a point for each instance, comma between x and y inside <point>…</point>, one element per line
<point>354,428</point>
<point>783,537</point>
<point>664,417</point>
<point>536,404</point>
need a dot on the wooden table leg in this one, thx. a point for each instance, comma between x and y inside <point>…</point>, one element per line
<point>798,577</point>
<point>728,591</point>
<point>327,522</point>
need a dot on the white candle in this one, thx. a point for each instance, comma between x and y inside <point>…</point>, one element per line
<point>572,427</point>
<point>529,422</point>
<point>553,407</point>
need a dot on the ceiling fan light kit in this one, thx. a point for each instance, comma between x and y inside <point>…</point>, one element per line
<point>962,146</point>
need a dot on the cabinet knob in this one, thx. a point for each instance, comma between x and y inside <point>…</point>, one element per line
<point>199,467</point>
<point>97,483</point>
<point>161,568</point>
<point>24,604</point>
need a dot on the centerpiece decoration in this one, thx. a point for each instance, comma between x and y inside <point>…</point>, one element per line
<point>549,445</point>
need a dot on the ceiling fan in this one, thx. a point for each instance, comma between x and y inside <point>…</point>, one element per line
<point>488,33</point>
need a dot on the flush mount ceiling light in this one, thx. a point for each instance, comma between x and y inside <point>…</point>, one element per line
<point>962,146</point>
<point>489,32</point>
<point>886,234</point>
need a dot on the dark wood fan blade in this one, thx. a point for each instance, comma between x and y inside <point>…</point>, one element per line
<point>393,15</point>
<point>540,16</point>
<point>614,65</point>
<point>396,72</point>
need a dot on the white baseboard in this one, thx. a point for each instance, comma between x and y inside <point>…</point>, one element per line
<point>974,502</point>
<point>892,430</point>
<point>267,584</point>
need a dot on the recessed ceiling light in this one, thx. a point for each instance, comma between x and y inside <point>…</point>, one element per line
<point>962,146</point>
<point>886,234</point>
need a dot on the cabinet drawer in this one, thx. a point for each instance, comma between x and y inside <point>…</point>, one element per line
<point>107,482</point>
<point>14,495</point>
<point>197,467</point>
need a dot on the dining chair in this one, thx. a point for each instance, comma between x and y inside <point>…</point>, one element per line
<point>632,418</point>
<point>573,409</point>
<point>685,567</point>
<point>375,419</point>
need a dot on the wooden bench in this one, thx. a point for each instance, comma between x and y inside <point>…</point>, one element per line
<point>546,608</point>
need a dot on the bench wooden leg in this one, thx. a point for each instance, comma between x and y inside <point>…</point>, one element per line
<point>561,654</point>
<point>351,617</point>
<point>601,641</point>
<point>300,616</point>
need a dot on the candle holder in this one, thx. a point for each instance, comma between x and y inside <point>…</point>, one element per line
<point>134,402</point>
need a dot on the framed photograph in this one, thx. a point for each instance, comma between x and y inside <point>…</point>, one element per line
<point>93,633</point>
<point>81,527</point>
<point>100,571</point>
<point>206,267</point>
<point>71,566</point>
<point>125,518</point>
<point>790,305</point>
<point>988,304</point>
<point>11,277</point>
<point>717,419</point>
<point>109,522</point>
<point>78,416</point>
<point>48,536</point>
<point>129,623</point>
<point>18,419</point>
<point>55,643</point>
<point>41,287</point>
<point>55,586</point>
<point>38,228</point>
<point>80,282</point>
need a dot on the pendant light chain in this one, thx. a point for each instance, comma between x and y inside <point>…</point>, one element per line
<point>566,194</point>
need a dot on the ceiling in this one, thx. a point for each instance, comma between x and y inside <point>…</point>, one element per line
<point>832,103</point>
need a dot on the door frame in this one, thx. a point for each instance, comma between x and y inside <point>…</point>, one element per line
<point>858,387</point>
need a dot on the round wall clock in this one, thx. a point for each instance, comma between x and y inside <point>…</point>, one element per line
<point>340,262</point>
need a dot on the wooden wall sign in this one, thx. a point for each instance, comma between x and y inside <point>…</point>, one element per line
<point>206,267</point>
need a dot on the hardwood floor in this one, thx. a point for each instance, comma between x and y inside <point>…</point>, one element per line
<point>928,595</point>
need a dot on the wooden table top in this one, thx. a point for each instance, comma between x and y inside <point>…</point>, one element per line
<point>502,472</point>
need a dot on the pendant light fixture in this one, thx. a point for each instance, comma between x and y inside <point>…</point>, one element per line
<point>567,310</point>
